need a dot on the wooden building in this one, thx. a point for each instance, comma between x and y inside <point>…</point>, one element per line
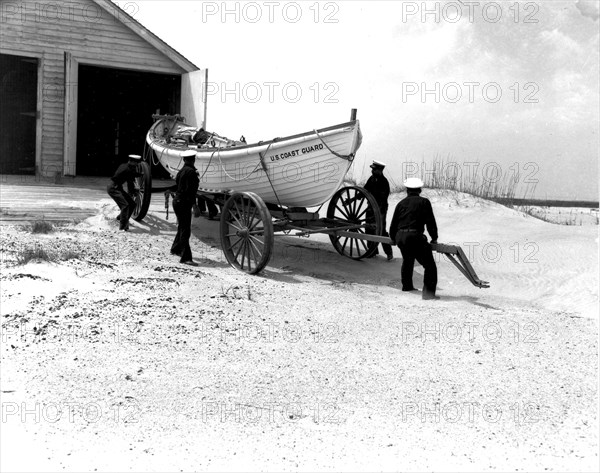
<point>79,82</point>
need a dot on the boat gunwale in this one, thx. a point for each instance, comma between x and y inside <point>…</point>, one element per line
<point>252,145</point>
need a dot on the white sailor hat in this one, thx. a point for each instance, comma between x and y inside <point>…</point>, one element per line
<point>190,153</point>
<point>135,157</point>
<point>377,164</point>
<point>413,183</point>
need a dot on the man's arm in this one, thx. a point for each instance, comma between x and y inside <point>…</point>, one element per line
<point>131,185</point>
<point>394,224</point>
<point>430,222</point>
<point>195,182</point>
<point>386,190</point>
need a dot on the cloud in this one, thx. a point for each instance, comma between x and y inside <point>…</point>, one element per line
<point>589,8</point>
<point>562,46</point>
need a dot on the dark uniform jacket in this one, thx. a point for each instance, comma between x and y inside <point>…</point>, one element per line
<point>380,188</point>
<point>414,213</point>
<point>125,174</point>
<point>187,183</point>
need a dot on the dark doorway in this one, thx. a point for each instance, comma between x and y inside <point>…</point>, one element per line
<point>114,113</point>
<point>18,105</point>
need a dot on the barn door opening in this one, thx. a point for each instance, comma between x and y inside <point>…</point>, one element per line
<point>114,113</point>
<point>18,114</point>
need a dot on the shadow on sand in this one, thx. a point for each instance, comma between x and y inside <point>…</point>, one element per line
<point>294,259</point>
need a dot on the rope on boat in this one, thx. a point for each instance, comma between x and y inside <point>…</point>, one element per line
<point>264,166</point>
<point>348,157</point>
<point>208,165</point>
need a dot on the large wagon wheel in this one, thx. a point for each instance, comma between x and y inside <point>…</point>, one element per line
<point>143,185</point>
<point>355,205</point>
<point>246,232</point>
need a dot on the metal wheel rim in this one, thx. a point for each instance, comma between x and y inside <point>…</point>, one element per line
<point>143,185</point>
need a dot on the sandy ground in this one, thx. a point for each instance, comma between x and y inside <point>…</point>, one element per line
<point>117,358</point>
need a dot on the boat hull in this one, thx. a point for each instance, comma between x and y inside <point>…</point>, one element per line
<point>302,170</point>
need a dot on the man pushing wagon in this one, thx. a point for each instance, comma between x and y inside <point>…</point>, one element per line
<point>411,216</point>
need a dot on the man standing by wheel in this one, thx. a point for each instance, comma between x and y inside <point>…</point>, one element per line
<point>379,187</point>
<point>125,173</point>
<point>187,183</point>
<point>411,216</point>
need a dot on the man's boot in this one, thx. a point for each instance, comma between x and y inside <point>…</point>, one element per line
<point>428,294</point>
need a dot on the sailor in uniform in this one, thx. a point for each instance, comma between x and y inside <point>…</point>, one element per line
<point>411,216</point>
<point>187,182</point>
<point>379,187</point>
<point>125,173</point>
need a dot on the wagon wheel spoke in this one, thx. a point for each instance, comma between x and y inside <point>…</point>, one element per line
<point>241,240</point>
<point>254,254</point>
<point>355,203</point>
<point>253,238</point>
<point>249,254</point>
<point>345,242</point>
<point>243,253</point>
<point>350,205</point>
<point>235,215</point>
<point>363,212</point>
<point>343,212</point>
<point>365,246</point>
<point>255,249</point>
<point>253,219</point>
<point>245,209</point>
<point>230,247</point>
<point>236,227</point>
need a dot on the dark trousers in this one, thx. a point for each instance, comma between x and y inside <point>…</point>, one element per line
<point>371,219</point>
<point>414,246</point>
<point>204,204</point>
<point>125,203</point>
<point>386,248</point>
<point>181,244</point>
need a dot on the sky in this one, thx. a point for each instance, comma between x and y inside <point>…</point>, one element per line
<point>496,91</point>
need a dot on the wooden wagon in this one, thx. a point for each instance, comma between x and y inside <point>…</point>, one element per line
<point>266,189</point>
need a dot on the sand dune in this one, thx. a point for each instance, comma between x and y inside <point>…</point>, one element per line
<point>320,363</point>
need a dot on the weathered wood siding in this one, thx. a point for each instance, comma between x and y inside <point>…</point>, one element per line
<point>92,35</point>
